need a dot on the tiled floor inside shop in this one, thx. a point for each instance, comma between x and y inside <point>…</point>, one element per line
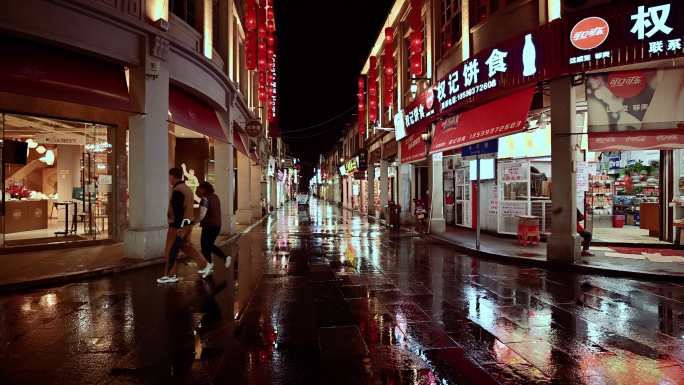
<point>626,234</point>
<point>47,235</point>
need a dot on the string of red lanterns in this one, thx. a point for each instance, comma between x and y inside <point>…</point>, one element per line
<point>388,64</point>
<point>373,90</point>
<point>416,39</point>
<point>262,44</point>
<point>260,54</point>
<point>362,106</point>
<point>250,35</point>
<point>271,42</point>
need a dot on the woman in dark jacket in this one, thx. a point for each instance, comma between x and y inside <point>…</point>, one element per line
<point>210,221</point>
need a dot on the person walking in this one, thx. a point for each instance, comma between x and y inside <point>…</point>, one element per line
<point>178,237</point>
<point>210,221</point>
<point>586,235</point>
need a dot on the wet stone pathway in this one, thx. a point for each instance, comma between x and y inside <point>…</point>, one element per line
<point>325,297</point>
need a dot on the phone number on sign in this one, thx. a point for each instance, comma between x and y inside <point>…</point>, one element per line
<point>468,93</point>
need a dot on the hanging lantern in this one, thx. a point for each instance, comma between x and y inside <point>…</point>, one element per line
<point>416,38</point>
<point>250,50</point>
<point>388,65</point>
<point>373,89</point>
<point>251,16</point>
<point>362,106</point>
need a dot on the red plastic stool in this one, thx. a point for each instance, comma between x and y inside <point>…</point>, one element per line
<point>528,230</point>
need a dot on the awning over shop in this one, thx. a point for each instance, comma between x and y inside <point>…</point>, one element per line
<point>194,114</point>
<point>48,72</point>
<point>413,148</point>
<point>501,117</point>
<point>239,143</point>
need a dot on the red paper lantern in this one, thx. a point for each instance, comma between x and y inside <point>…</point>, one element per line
<point>250,50</point>
<point>362,106</point>
<point>251,16</point>
<point>388,65</point>
<point>416,40</point>
<point>373,89</point>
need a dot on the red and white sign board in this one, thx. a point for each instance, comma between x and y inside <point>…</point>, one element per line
<point>413,148</point>
<point>639,140</point>
<point>501,117</point>
<point>589,33</point>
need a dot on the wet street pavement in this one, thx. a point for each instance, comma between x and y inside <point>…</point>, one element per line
<point>325,297</point>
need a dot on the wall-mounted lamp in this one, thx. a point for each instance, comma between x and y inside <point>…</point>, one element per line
<point>158,13</point>
<point>425,136</point>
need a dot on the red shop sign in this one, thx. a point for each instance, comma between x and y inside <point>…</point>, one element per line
<point>501,117</point>
<point>637,140</point>
<point>413,148</point>
<point>589,33</point>
<point>421,112</point>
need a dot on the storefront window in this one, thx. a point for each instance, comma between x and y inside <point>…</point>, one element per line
<point>450,25</point>
<point>623,198</point>
<point>58,179</point>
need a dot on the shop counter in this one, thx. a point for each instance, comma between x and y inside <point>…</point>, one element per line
<point>25,215</point>
<point>649,214</point>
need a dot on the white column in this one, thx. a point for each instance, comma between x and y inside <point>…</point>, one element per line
<point>68,170</point>
<point>405,187</point>
<point>244,211</point>
<point>362,198</point>
<point>256,192</point>
<point>437,222</point>
<point>563,244</point>
<point>148,164</point>
<point>370,187</point>
<point>274,191</point>
<point>384,189</point>
<point>223,167</point>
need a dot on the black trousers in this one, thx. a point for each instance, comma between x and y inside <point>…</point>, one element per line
<point>586,240</point>
<point>207,242</point>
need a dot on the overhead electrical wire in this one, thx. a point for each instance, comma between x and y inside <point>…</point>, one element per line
<point>341,114</point>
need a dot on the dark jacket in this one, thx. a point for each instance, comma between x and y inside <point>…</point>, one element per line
<point>213,216</point>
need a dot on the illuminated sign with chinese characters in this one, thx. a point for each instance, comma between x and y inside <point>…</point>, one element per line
<point>511,64</point>
<point>419,113</point>
<point>628,33</point>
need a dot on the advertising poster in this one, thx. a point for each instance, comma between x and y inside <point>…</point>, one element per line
<point>632,110</point>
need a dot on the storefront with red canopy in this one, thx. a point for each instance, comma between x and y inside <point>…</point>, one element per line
<point>627,101</point>
<point>194,126</point>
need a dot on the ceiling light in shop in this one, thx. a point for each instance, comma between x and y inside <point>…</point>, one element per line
<point>49,158</point>
<point>41,150</point>
<point>31,143</point>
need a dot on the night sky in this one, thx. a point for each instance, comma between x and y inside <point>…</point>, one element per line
<point>322,46</point>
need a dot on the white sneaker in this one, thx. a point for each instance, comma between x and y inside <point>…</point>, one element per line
<point>167,279</point>
<point>229,261</point>
<point>207,270</point>
<point>201,271</point>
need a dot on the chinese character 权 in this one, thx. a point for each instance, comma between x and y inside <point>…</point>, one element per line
<point>441,90</point>
<point>470,71</point>
<point>496,62</point>
<point>655,46</point>
<point>674,45</point>
<point>655,19</point>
